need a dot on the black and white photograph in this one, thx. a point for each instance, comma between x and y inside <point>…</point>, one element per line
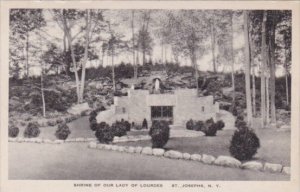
<point>150,94</point>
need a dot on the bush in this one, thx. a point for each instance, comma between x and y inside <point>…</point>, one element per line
<point>104,134</point>
<point>244,144</point>
<point>199,126</point>
<point>190,124</point>
<point>32,130</point>
<point>220,125</point>
<point>159,133</point>
<point>62,131</point>
<point>127,125</point>
<point>13,131</point>
<point>93,115</point>
<point>93,125</point>
<point>210,128</point>
<point>118,129</point>
<point>145,124</point>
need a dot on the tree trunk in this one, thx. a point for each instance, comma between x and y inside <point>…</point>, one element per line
<point>133,48</point>
<point>272,69</point>
<point>267,101</point>
<point>232,62</point>
<point>27,55</point>
<point>113,68</point>
<point>253,91</point>
<point>286,80</point>
<point>85,58</point>
<point>247,69</point>
<point>213,44</point>
<point>263,64</point>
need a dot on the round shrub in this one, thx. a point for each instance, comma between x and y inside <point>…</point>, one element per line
<point>119,129</point>
<point>244,144</point>
<point>62,131</point>
<point>220,124</point>
<point>190,124</point>
<point>159,132</point>
<point>93,125</point>
<point>145,124</point>
<point>13,131</point>
<point>102,125</point>
<point>32,130</point>
<point>127,125</point>
<point>210,128</point>
<point>104,134</point>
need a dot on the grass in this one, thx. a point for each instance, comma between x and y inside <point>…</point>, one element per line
<point>74,161</point>
<point>275,146</point>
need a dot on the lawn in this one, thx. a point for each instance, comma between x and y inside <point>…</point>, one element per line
<point>74,161</point>
<point>275,146</point>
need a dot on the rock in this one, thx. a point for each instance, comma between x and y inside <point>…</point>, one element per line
<point>70,140</point>
<point>20,139</point>
<point>272,167</point>
<point>114,147</point>
<point>285,127</point>
<point>253,165</point>
<point>208,159</point>
<point>158,152</point>
<point>116,139</point>
<point>107,147</point>
<point>12,139</point>
<point>227,161</point>
<point>79,139</point>
<point>173,154</point>
<point>147,151</point>
<point>138,149</point>
<point>47,141</point>
<point>186,156</point>
<point>37,140</point>
<point>131,149</point>
<point>58,141</point>
<point>93,145</point>
<point>78,108</point>
<point>100,146</point>
<point>121,148</point>
<point>286,170</point>
<point>91,139</point>
<point>196,157</point>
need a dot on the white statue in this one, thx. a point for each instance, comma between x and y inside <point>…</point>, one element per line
<point>156,86</point>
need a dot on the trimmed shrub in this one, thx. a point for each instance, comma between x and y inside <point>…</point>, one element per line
<point>190,124</point>
<point>199,126</point>
<point>102,125</point>
<point>159,132</point>
<point>13,131</point>
<point>118,129</point>
<point>59,120</point>
<point>104,134</point>
<point>93,125</point>
<point>32,130</point>
<point>93,115</point>
<point>127,125</point>
<point>244,144</point>
<point>62,131</point>
<point>220,125</point>
<point>210,128</point>
<point>145,124</point>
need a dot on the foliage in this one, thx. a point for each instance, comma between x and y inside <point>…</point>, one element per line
<point>93,124</point>
<point>119,129</point>
<point>244,144</point>
<point>145,124</point>
<point>159,133</point>
<point>62,131</point>
<point>199,126</point>
<point>32,130</point>
<point>190,124</point>
<point>13,131</point>
<point>210,128</point>
<point>220,125</point>
<point>104,133</point>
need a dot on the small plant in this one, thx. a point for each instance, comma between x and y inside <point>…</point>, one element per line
<point>210,128</point>
<point>32,130</point>
<point>119,129</point>
<point>59,120</point>
<point>159,133</point>
<point>93,125</point>
<point>145,124</point>
<point>13,131</point>
<point>199,126</point>
<point>244,144</point>
<point>127,125</point>
<point>62,131</point>
<point>190,124</point>
<point>104,134</point>
<point>220,124</point>
<point>93,115</point>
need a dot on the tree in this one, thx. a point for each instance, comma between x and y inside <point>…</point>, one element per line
<point>263,70</point>
<point>22,23</point>
<point>247,69</point>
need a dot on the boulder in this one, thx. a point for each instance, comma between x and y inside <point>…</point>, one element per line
<point>158,152</point>
<point>37,140</point>
<point>100,146</point>
<point>93,145</point>
<point>121,148</point>
<point>78,108</point>
<point>58,141</point>
<point>114,147</point>
<point>147,151</point>
<point>227,161</point>
<point>286,170</point>
<point>196,157</point>
<point>173,154</point>
<point>208,159</point>
<point>107,147</point>
<point>47,141</point>
<point>131,149</point>
<point>186,156</point>
<point>80,139</point>
<point>138,149</point>
<point>253,165</point>
<point>12,139</point>
<point>272,167</point>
